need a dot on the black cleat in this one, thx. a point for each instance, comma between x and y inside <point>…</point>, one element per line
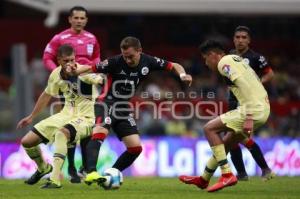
<point>50,185</point>
<point>82,172</point>
<point>267,174</point>
<point>242,177</point>
<point>74,178</point>
<point>38,175</point>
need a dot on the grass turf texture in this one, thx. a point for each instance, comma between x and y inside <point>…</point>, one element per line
<point>155,188</point>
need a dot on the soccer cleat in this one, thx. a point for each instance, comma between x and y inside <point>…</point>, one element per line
<point>74,178</point>
<point>38,175</point>
<point>195,180</point>
<point>94,177</point>
<point>267,174</point>
<point>223,182</point>
<point>82,172</point>
<point>242,177</point>
<point>51,185</point>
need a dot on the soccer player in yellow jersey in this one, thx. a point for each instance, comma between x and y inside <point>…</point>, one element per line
<point>252,112</point>
<point>72,123</point>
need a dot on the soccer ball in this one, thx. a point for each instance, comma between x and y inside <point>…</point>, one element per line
<point>114,179</point>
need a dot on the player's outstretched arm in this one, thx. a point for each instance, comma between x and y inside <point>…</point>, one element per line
<point>39,106</point>
<point>93,78</point>
<point>182,74</point>
<point>81,69</point>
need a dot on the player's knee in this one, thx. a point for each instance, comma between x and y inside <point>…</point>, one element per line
<point>69,131</point>
<point>26,142</point>
<point>62,132</point>
<point>137,150</point>
<point>65,131</point>
<point>207,129</point>
<point>99,133</point>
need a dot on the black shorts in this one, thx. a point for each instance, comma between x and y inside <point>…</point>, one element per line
<point>232,102</point>
<point>109,114</point>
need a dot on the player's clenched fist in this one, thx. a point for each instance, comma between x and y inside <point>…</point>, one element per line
<point>186,78</point>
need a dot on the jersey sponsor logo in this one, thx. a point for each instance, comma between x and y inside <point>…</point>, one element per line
<point>122,72</point>
<point>90,49</point>
<point>226,69</point>
<point>145,70</point>
<point>246,60</point>
<point>133,74</point>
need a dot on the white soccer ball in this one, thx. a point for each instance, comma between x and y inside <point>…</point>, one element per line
<point>114,179</point>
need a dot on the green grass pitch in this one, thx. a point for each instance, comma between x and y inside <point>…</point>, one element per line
<point>155,188</point>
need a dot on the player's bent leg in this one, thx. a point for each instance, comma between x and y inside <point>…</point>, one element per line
<point>30,144</point>
<point>38,175</point>
<point>93,147</point>
<point>259,158</point>
<point>74,178</point>
<point>83,146</point>
<point>70,132</point>
<point>202,181</point>
<point>31,139</point>
<point>60,144</point>
<point>237,160</point>
<point>212,130</point>
<point>134,149</point>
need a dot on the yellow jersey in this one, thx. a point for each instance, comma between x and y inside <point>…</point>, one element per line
<point>78,92</point>
<point>246,86</point>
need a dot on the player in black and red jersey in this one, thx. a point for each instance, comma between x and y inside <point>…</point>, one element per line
<point>259,64</point>
<point>124,73</point>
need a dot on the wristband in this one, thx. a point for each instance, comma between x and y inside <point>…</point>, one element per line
<point>181,75</point>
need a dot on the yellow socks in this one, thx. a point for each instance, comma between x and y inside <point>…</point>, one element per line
<point>35,154</point>
<point>210,168</point>
<point>59,156</point>
<point>220,155</point>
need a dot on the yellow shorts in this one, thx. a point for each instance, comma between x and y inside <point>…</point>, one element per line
<point>235,119</point>
<point>49,126</point>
